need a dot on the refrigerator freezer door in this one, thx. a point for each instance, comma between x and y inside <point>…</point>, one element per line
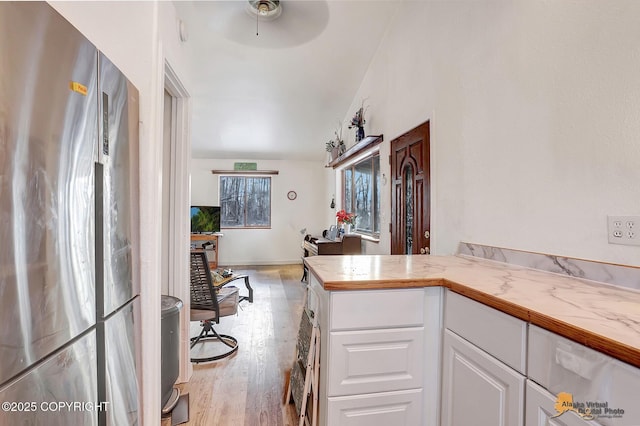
<point>42,396</point>
<point>121,360</point>
<point>48,139</point>
<point>118,101</point>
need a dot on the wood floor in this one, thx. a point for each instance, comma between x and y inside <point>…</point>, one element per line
<point>247,388</point>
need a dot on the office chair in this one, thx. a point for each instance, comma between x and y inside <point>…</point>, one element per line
<point>208,305</point>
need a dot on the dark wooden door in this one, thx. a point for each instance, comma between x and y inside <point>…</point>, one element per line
<point>410,192</point>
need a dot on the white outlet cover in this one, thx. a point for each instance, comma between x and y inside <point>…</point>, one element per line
<point>623,230</point>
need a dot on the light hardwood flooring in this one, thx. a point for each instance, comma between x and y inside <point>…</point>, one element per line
<point>248,387</point>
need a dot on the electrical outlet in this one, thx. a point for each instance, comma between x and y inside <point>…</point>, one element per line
<point>622,230</point>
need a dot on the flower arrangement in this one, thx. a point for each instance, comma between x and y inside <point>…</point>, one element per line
<point>358,119</point>
<point>345,218</point>
<point>358,122</point>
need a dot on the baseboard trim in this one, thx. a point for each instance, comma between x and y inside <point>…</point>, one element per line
<point>264,263</point>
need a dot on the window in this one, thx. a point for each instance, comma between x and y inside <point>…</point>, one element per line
<point>245,202</point>
<point>361,189</point>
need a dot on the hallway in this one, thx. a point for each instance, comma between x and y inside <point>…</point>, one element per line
<point>247,389</point>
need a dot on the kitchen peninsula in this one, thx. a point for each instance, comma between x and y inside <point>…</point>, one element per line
<point>374,308</point>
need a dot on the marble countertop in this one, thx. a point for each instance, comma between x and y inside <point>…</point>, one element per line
<point>601,316</point>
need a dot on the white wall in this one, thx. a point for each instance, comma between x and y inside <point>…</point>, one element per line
<point>534,112</point>
<point>138,36</point>
<point>280,244</point>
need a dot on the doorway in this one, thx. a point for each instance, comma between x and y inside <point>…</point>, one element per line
<point>175,205</point>
<point>411,192</point>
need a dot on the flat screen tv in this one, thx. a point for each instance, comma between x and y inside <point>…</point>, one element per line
<point>205,219</point>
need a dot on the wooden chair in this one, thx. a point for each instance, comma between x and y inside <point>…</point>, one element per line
<point>208,305</point>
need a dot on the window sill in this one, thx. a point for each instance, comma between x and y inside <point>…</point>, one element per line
<point>368,238</point>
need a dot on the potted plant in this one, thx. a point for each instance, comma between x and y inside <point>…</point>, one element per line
<point>332,149</point>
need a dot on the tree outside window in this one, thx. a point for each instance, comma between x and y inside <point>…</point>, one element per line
<point>245,202</point>
<point>361,189</point>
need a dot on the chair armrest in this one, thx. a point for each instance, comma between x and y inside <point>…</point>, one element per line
<point>218,285</point>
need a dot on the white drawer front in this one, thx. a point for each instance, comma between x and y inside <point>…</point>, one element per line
<point>561,365</point>
<point>375,361</point>
<point>377,309</point>
<point>501,335</point>
<point>401,408</point>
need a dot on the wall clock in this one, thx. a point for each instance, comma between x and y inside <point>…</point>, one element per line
<point>292,195</point>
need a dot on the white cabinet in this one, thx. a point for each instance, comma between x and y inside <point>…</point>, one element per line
<point>500,334</point>
<point>558,365</point>
<point>380,409</point>
<point>365,361</point>
<point>374,357</point>
<point>541,410</point>
<point>478,387</point>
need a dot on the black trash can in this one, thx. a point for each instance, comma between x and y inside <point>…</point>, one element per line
<point>170,345</point>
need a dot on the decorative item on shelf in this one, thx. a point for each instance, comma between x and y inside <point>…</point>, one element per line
<point>336,147</point>
<point>332,149</point>
<point>358,122</point>
<point>346,221</point>
<point>339,141</point>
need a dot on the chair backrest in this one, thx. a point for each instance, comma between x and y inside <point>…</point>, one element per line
<point>203,295</point>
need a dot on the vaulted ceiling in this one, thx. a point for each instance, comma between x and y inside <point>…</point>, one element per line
<point>280,94</point>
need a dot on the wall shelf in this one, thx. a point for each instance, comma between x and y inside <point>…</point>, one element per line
<point>245,172</point>
<point>366,143</point>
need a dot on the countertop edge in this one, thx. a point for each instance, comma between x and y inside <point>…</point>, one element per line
<point>603,344</point>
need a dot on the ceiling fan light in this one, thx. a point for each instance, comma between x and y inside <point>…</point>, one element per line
<point>266,9</point>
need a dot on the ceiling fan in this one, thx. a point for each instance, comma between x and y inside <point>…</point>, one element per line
<point>264,9</point>
<point>287,23</point>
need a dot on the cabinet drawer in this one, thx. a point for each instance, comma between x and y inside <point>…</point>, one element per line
<point>375,360</point>
<point>562,365</point>
<point>501,335</point>
<point>373,309</point>
<point>402,408</point>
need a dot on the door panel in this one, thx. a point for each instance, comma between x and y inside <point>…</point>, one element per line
<point>541,410</point>
<point>47,147</point>
<point>67,377</point>
<point>410,216</point>
<point>477,389</point>
<point>119,154</point>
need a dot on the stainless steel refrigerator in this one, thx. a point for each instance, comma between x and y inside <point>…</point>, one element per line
<point>69,279</point>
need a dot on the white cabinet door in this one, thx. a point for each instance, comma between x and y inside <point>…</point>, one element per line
<point>401,408</point>
<point>541,409</point>
<point>477,389</point>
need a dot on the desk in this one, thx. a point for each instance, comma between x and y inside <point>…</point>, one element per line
<point>211,250</point>
<point>318,246</point>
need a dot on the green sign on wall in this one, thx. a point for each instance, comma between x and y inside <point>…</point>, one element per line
<point>245,166</point>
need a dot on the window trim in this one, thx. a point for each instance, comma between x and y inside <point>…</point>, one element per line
<point>368,155</point>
